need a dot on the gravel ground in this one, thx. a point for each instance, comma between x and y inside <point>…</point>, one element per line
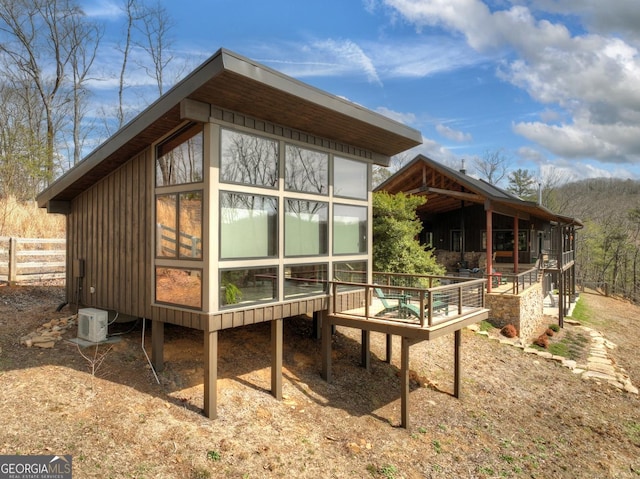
<point>519,416</point>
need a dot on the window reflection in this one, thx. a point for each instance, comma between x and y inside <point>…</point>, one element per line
<point>349,229</point>
<point>248,225</point>
<point>179,225</point>
<point>181,287</point>
<point>350,272</point>
<point>304,279</point>
<point>245,286</point>
<point>306,170</point>
<point>305,227</point>
<point>248,159</point>
<point>179,158</point>
<point>350,178</point>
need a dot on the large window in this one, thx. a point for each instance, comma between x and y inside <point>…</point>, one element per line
<point>304,279</point>
<point>248,159</point>
<point>350,272</point>
<point>350,178</point>
<point>306,170</point>
<point>182,287</point>
<point>349,229</point>
<point>179,158</point>
<point>179,224</point>
<point>248,226</point>
<point>305,227</point>
<point>245,286</point>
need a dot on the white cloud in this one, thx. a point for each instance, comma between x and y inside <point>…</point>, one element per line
<point>451,134</point>
<point>102,9</point>
<point>592,75</point>
<point>406,118</point>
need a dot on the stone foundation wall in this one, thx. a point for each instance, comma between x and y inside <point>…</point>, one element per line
<point>524,311</point>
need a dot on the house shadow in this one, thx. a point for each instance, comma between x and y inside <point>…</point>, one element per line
<point>244,361</point>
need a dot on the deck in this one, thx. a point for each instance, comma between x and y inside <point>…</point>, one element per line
<point>414,313</point>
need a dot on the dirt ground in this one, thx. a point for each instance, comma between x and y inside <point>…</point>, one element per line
<point>519,416</point>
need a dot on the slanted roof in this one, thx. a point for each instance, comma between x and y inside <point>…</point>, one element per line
<point>235,83</point>
<point>446,188</point>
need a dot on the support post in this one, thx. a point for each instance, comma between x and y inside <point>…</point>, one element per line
<point>316,329</point>
<point>489,220</point>
<point>326,347</point>
<point>389,348</point>
<point>157,345</point>
<point>457,366</point>
<point>366,349</point>
<point>516,243</point>
<point>276,358</point>
<point>210,374</point>
<point>12,274</point>
<point>404,383</point>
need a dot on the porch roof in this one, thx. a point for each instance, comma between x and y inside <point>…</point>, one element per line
<point>232,82</point>
<point>446,189</point>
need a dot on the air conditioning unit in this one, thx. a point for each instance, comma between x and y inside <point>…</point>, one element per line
<point>93,324</point>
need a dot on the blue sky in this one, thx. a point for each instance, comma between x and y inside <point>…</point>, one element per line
<point>553,84</point>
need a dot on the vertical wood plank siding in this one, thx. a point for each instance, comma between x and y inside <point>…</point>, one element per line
<point>109,228</point>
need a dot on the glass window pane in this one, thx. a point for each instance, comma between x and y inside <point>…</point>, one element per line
<point>166,226</point>
<point>305,279</point>
<point>190,224</point>
<point>248,159</point>
<point>350,178</point>
<point>245,286</point>
<point>248,226</point>
<point>349,229</point>
<point>182,287</point>
<point>179,159</point>
<point>350,272</point>
<point>305,228</point>
<point>306,170</point>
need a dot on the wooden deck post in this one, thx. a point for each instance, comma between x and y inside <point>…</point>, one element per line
<point>387,359</point>
<point>157,345</point>
<point>316,329</point>
<point>366,349</point>
<point>404,383</point>
<point>276,358</point>
<point>210,374</point>
<point>12,274</point>
<point>457,371</point>
<point>326,347</point>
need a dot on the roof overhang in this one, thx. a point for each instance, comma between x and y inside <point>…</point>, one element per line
<point>235,83</point>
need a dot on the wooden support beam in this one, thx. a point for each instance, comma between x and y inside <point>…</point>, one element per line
<point>316,329</point>
<point>210,374</point>
<point>387,359</point>
<point>366,349</point>
<point>157,345</point>
<point>326,347</point>
<point>457,365</point>
<point>276,358</point>
<point>404,383</point>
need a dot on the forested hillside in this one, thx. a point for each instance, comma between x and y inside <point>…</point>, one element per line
<point>609,244</point>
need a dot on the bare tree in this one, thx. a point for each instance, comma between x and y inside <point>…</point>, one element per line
<point>493,166</point>
<point>38,44</point>
<point>155,25</point>
<point>130,10</point>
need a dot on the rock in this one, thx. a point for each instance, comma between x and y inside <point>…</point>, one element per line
<point>569,363</point>
<point>45,345</point>
<point>630,388</point>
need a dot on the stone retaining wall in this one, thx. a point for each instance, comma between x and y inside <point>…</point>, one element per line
<point>524,311</point>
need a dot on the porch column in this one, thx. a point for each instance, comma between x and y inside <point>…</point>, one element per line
<point>387,359</point>
<point>157,345</point>
<point>516,243</point>
<point>276,358</point>
<point>210,374</point>
<point>489,222</point>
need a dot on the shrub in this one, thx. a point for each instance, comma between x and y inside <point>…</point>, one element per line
<point>542,341</point>
<point>554,327</point>
<point>509,331</point>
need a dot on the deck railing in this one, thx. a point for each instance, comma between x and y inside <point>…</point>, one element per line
<point>32,259</point>
<point>521,281</point>
<point>420,305</point>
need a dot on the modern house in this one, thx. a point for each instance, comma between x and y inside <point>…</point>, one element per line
<point>473,225</point>
<point>236,198</point>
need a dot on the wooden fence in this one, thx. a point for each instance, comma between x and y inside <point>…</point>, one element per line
<point>31,259</point>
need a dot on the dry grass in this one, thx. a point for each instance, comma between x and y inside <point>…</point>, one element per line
<point>26,220</point>
<point>519,417</point>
